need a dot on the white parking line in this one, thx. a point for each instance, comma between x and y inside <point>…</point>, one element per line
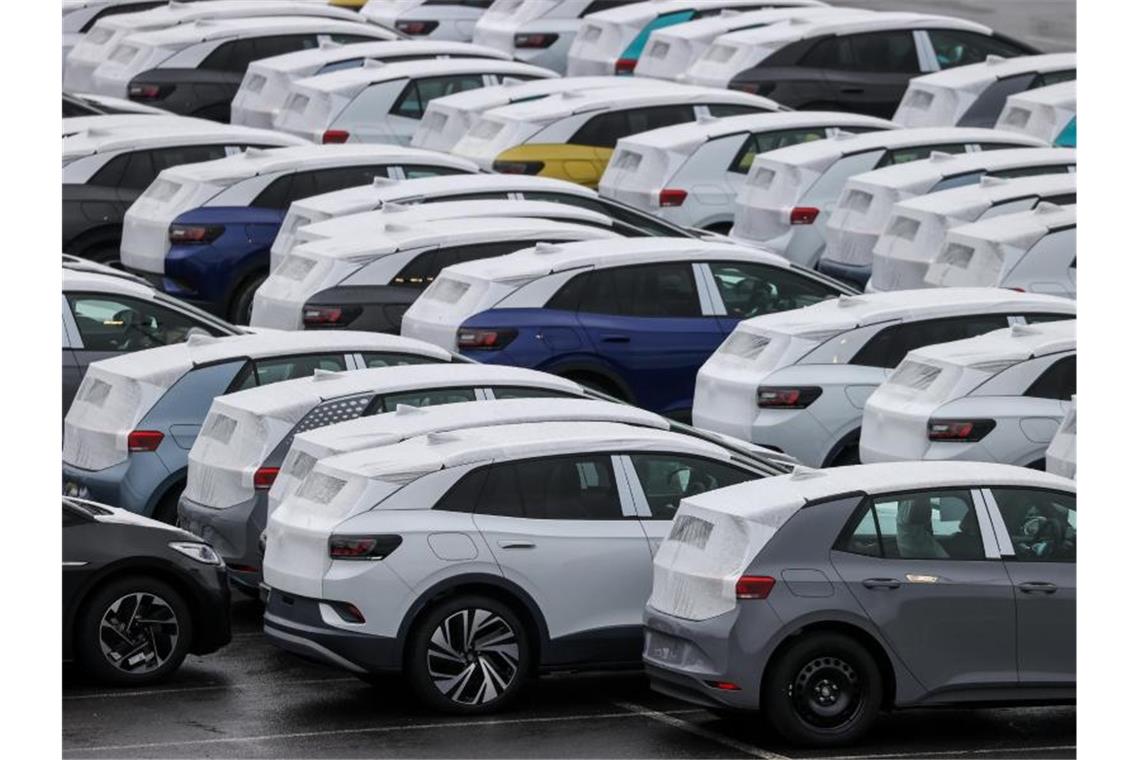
<point>949,752</point>
<point>372,730</point>
<point>211,687</point>
<point>668,719</point>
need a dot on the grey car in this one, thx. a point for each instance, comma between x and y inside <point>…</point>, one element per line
<point>822,597</point>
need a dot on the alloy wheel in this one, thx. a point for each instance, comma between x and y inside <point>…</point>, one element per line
<point>473,656</point>
<point>138,632</point>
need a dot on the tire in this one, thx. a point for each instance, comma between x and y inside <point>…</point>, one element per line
<point>241,304</point>
<point>161,638</point>
<point>824,690</point>
<point>481,679</point>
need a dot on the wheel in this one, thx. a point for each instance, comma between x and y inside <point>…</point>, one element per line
<point>133,631</point>
<point>469,655</point>
<point>241,305</point>
<point>101,246</point>
<point>824,690</point>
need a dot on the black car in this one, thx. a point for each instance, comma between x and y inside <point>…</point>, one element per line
<point>138,595</point>
<point>864,64</point>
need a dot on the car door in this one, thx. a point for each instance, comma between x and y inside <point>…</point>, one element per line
<point>927,573</point>
<point>1037,536</point>
<point>867,73</point>
<point>563,530</point>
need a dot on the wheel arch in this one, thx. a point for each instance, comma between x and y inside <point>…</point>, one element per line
<point>849,439</point>
<point>574,370</point>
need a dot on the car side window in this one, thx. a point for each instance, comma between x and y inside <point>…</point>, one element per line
<point>177,155</point>
<point>957,47</point>
<point>373,359</point>
<point>570,295</point>
<point>331,412</point>
<point>112,323</point>
<point>278,368</point>
<point>1046,78</point>
<point>1059,381</point>
<point>419,92</point>
<point>1042,524</point>
<point>762,142</point>
<point>920,525</point>
<point>645,223</point>
<point>668,478</point>
<point>276,195</point>
<point>132,170</point>
<point>416,171</point>
<point>721,110</point>
<point>236,55</point>
<point>1029,171</point>
<point>885,52</point>
<point>427,397</point>
<point>645,119</point>
<point>749,290</point>
<point>487,196</point>
<point>464,495</point>
<point>603,130</point>
<point>576,487</point>
<point>424,268</point>
<point>917,153</point>
<point>505,392</point>
<point>649,290</point>
<point>887,348</point>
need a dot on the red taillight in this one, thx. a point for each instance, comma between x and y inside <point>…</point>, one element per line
<point>723,685</point>
<point>189,233</point>
<point>144,440</point>
<point>363,547</point>
<point>535,40</point>
<point>328,316</point>
<point>417,28</point>
<point>804,215</point>
<point>754,586</point>
<point>625,65</point>
<point>671,197</point>
<point>144,92</point>
<point>264,477</point>
<point>485,339</point>
<point>963,431</point>
<point>334,137</point>
<point>786,398</point>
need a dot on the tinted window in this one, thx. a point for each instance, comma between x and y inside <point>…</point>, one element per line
<point>419,92</point>
<point>1059,381</point>
<point>432,397</point>
<point>375,359</point>
<point>1029,171</point>
<point>956,47</point>
<point>128,170</point>
<point>578,487</point>
<point>889,51</point>
<point>651,290</point>
<point>464,495</point>
<point>416,171</point>
<point>923,525</point>
<point>1042,524</point>
<point>1033,319</point>
<point>424,268</point>
<point>504,392</point>
<point>645,119</point>
<point>612,209</point>
<point>917,153</point>
<point>888,347</point>
<point>501,494</point>
<point>488,196</point>
<point>984,111</point>
<point>1047,78</point>
<point>236,55</point>
<point>282,191</point>
<point>763,142</point>
<point>668,478</point>
<point>749,290</point>
<point>1064,199</point>
<point>177,155</point>
<point>603,130</point>
<point>569,295</point>
<point>720,110</point>
<point>113,323</point>
<point>278,368</point>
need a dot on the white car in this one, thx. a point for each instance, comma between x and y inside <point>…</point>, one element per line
<point>447,119</point>
<point>974,95</point>
<point>444,556</point>
<point>865,204</point>
<point>796,381</point>
<point>1047,113</point>
<point>1061,456</point>
<point>381,102</point>
<point>366,280</point>
<point>1035,251</point>
<point>917,228</point>
<point>73,125</point>
<point>265,87</point>
<point>104,37</point>
<point>691,173</point>
<point>999,397</point>
<point>452,20</point>
<point>611,41</point>
<point>85,104</point>
<point>790,193</point>
<point>81,16</point>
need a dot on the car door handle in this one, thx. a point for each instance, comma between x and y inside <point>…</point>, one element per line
<point>851,90</point>
<point>887,583</point>
<point>1037,587</point>
<point>516,544</point>
<point>615,339</point>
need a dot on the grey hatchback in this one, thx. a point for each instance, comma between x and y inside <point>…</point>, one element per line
<point>821,597</point>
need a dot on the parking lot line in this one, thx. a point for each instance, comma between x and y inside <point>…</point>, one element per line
<point>669,719</point>
<point>382,730</point>
<point>949,752</point>
<point>211,687</point>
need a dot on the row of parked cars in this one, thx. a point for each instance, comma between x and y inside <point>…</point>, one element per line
<point>398,330</point>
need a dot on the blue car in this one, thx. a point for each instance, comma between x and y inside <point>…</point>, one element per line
<point>202,232</point>
<point>128,433</point>
<point>634,318</point>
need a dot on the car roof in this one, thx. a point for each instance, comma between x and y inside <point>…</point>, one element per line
<point>81,278</point>
<point>1017,344</point>
<point>508,92</point>
<point>1022,229</point>
<point>107,121</point>
<point>978,75</point>
<point>624,14</point>
<point>755,499</point>
<point>987,191</point>
<point>332,52</point>
<point>178,12</point>
<point>1062,94</point>
<point>710,127</point>
<point>940,165</point>
<point>378,71</point>
<point>206,29</point>
<point>610,98</point>
<point>738,19</point>
<point>811,25</point>
<point>143,136</point>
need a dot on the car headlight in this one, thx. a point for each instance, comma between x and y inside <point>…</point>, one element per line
<point>203,553</point>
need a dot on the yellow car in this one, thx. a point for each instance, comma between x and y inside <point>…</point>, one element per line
<point>353,4</point>
<point>571,136</point>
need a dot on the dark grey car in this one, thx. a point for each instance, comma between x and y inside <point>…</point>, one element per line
<point>821,597</point>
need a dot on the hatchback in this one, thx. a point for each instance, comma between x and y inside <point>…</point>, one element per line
<point>80,17</point>
<point>427,20</point>
<point>820,598</point>
<point>1047,113</point>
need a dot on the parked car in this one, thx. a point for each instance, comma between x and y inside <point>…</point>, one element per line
<point>135,417</point>
<point>864,206</point>
<point>537,31</point>
<point>79,16</point>
<point>974,95</point>
<point>790,193</point>
<point>1048,113</point>
<point>853,63</point>
<point>460,495</point>
<point>83,104</point>
<point>1031,250</point>
<point>203,232</point>
<point>107,312</point>
<point>106,169</point>
<point>265,87</point>
<point>138,596</point>
<point>1061,456</point>
<point>796,381</point>
<point>366,277</point>
<point>634,318</point>
<point>73,125</point>
<point>572,136</point>
<point>917,228</point>
<point>105,36</point>
<point>999,397</point>
<point>428,19</point>
<point>818,599</point>
<point>691,173</point>
<point>385,102</point>
<point>229,476</point>
<point>612,41</point>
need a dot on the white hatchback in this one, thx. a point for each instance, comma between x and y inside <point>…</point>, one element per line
<point>425,20</point>
<point>536,31</point>
<point>1046,113</point>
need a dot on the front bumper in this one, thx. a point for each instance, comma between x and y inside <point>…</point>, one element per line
<point>233,532</point>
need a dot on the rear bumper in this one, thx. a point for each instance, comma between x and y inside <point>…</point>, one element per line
<point>233,532</point>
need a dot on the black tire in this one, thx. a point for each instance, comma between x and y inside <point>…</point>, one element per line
<point>241,304</point>
<point>824,690</point>
<point>437,678</point>
<point>161,639</point>
<point>101,247</point>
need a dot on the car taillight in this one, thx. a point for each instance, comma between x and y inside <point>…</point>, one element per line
<point>786,398</point>
<point>416,28</point>
<point>723,685</point>
<point>334,137</point>
<point>192,233</point>
<point>535,40</point>
<point>671,197</point>
<point>264,477</point>
<point>754,586</point>
<point>804,215</point>
<point>146,92</point>
<point>517,167</point>
<point>362,547</point>
<point>625,65</point>
<point>486,340</point>
<point>328,316</point>
<point>964,431</point>
<point>144,440</point>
